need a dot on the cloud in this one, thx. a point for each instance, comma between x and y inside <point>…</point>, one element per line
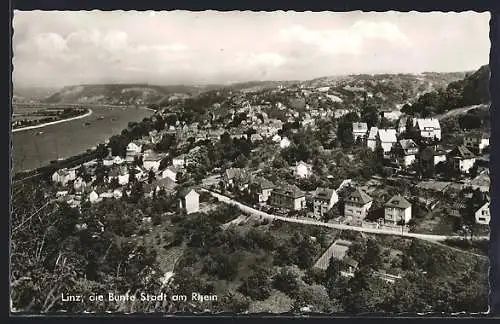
<point>344,41</point>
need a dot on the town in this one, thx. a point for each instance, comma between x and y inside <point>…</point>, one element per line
<point>250,163</point>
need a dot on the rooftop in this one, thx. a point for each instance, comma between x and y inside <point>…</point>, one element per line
<point>359,196</point>
<point>398,201</point>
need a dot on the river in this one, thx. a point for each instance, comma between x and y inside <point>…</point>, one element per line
<point>30,151</point>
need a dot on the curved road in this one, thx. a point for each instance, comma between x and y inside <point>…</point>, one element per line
<point>250,210</point>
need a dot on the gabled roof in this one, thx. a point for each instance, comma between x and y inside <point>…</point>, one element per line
<point>398,201</point>
<point>290,190</point>
<point>424,123</point>
<point>359,127</point>
<point>233,173</point>
<point>387,135</point>
<point>407,144</point>
<point>462,152</point>
<point>185,191</point>
<point>153,157</point>
<point>263,183</point>
<point>323,193</point>
<point>482,180</point>
<point>359,196</point>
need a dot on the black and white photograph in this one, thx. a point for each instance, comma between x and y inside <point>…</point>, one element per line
<point>250,162</point>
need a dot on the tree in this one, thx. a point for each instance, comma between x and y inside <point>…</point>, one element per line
<point>151,176</point>
<point>306,253</point>
<point>333,270</point>
<point>372,255</point>
<point>286,281</point>
<point>258,285</point>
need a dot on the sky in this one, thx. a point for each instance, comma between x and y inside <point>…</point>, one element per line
<point>58,48</point>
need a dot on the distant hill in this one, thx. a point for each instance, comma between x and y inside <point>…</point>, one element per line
<point>126,94</point>
<point>26,94</point>
<point>474,88</point>
<point>471,90</point>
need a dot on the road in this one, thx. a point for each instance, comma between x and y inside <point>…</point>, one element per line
<point>457,112</point>
<point>253,211</point>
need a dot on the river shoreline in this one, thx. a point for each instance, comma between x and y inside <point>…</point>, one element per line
<point>88,113</point>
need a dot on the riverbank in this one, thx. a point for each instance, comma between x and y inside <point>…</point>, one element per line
<point>88,113</point>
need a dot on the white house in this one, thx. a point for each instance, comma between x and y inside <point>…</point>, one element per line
<point>372,138</point>
<point>359,130</point>
<point>406,151</point>
<point>482,215</point>
<point>79,185</point>
<point>284,143</point>
<point>396,210</point>
<point>324,200</point>
<point>402,125</point>
<point>134,148</point>
<point>303,170</point>
<point>63,176</point>
<point>386,139</point>
<point>260,189</point>
<point>170,172</point>
<point>357,204</point>
<point>461,159</point>
<point>117,193</point>
<point>108,161</point>
<point>179,161</point>
<point>123,177</point>
<point>152,162</point>
<point>94,197</point>
<point>429,128</point>
<point>477,142</point>
<point>288,197</point>
<point>189,201</point>
<point>118,160</point>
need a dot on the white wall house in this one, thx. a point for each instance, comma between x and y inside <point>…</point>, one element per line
<point>303,170</point>
<point>406,151</point>
<point>357,204</point>
<point>386,139</point>
<point>63,176</point>
<point>397,209</point>
<point>372,138</point>
<point>359,130</point>
<point>429,128</point>
<point>461,159</point>
<point>482,215</point>
<point>152,162</point>
<point>477,142</point>
<point>189,201</point>
<point>324,200</point>
<point>170,172</point>
<point>179,161</point>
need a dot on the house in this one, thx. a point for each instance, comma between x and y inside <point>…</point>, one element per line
<point>123,177</point>
<point>323,200</point>
<point>152,161</point>
<point>94,197</point>
<point>477,142</point>
<point>189,201</point>
<point>134,147</point>
<point>171,173</point>
<point>386,139</point>
<point>179,161</point>
<point>396,210</point>
<point>429,128</point>
<point>117,193</point>
<point>482,215</point>
<point>288,197</point>
<point>402,125</point>
<point>406,151</point>
<point>338,251</point>
<point>372,138</point>
<point>118,160</point>
<point>303,170</point>
<point>357,204</point>
<point>359,130</point>
<point>391,115</point>
<point>432,154</point>
<point>481,182</point>
<point>63,176</point>
<point>154,187</point>
<point>108,161</point>
<point>256,138</point>
<point>461,159</point>
<point>79,185</point>
<point>236,177</point>
<point>284,143</point>
<point>260,190</point>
